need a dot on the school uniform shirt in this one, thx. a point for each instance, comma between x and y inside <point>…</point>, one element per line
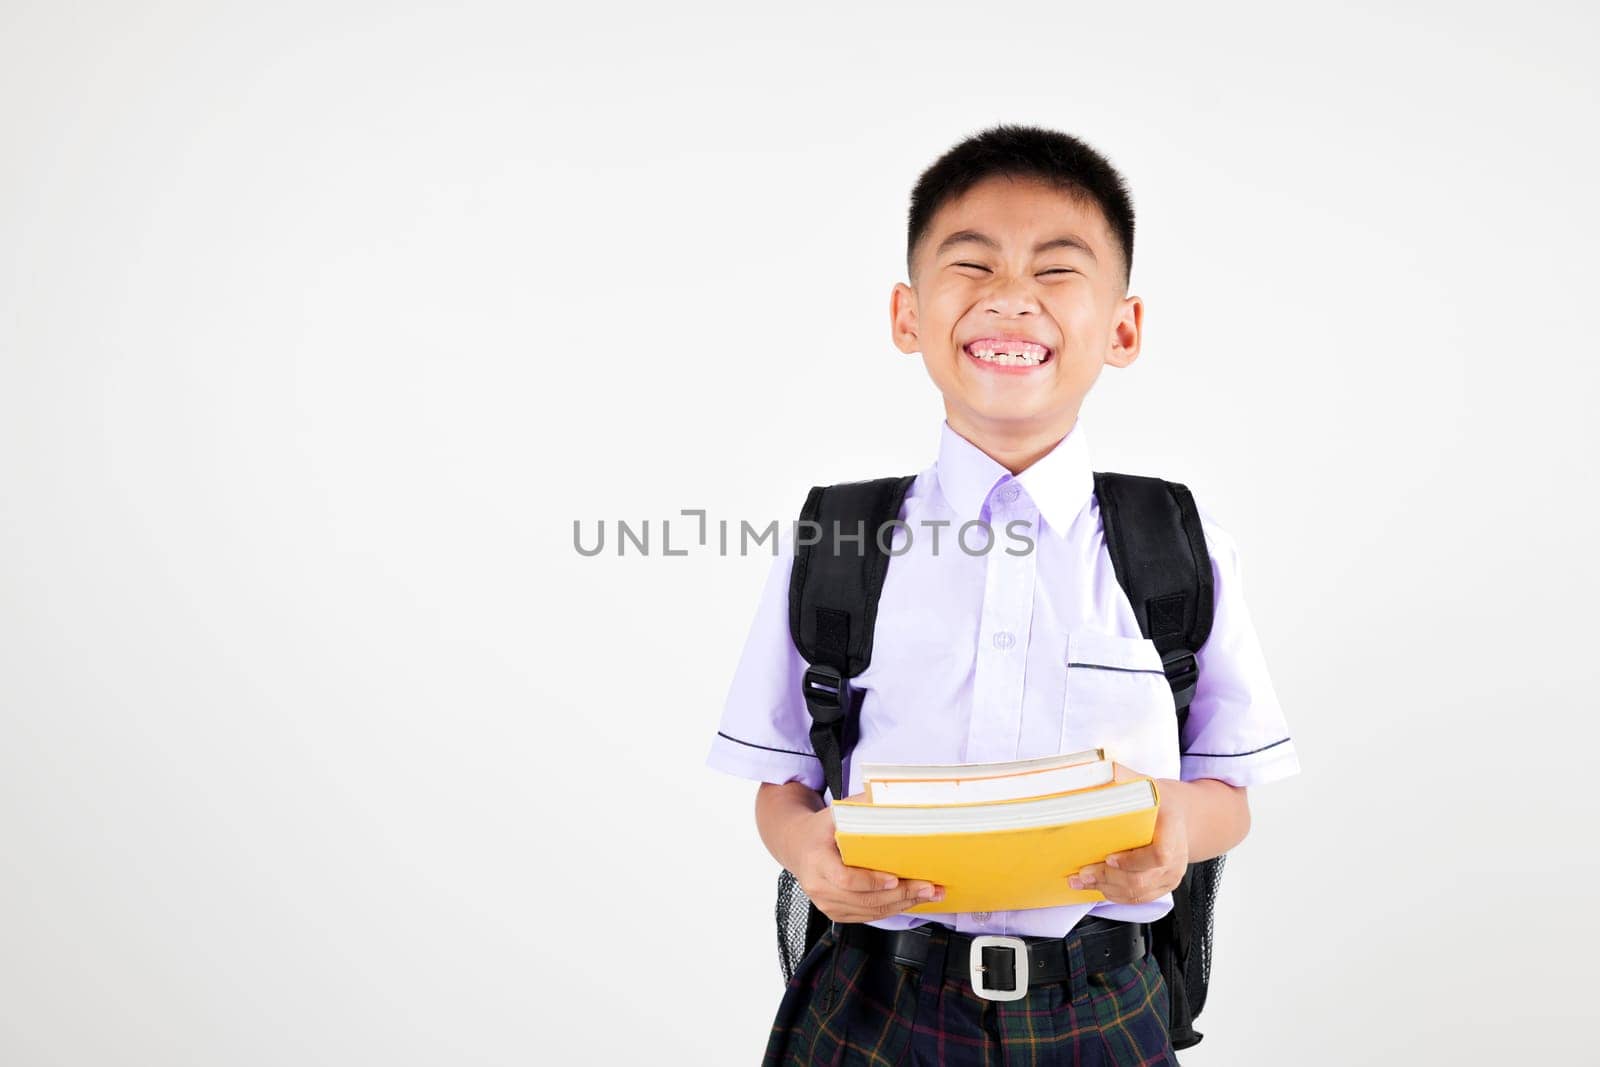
<point>985,656</point>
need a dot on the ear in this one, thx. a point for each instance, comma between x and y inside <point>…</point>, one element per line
<point>903,318</point>
<point>1127,332</point>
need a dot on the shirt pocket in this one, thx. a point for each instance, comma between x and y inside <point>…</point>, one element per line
<point>1117,698</point>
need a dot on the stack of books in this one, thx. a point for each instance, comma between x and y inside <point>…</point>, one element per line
<point>996,836</point>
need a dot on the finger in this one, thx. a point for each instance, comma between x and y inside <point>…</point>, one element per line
<point>1119,887</point>
<point>1118,895</point>
<point>1150,857</point>
<point>1135,888</point>
<point>910,900</point>
<point>858,879</point>
<point>1108,879</point>
<point>863,907</point>
<point>1132,895</point>
<point>904,895</point>
<point>1089,877</point>
<point>878,903</point>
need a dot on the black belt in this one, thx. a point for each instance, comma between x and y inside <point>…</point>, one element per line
<point>1107,945</point>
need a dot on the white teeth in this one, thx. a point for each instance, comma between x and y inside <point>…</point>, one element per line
<point>1008,359</point>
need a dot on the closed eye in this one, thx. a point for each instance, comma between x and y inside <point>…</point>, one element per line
<point>1052,270</point>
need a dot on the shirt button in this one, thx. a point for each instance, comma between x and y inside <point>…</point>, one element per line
<point>1010,493</point>
<point>1004,639</point>
<point>980,917</point>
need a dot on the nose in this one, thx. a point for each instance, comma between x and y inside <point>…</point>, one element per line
<point>1011,294</point>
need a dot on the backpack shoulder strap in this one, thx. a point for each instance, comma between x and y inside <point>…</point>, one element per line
<point>839,565</point>
<point>1158,552</point>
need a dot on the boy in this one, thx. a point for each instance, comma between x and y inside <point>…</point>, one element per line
<point>1019,253</point>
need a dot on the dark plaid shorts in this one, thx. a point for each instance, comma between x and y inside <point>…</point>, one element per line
<point>845,1007</point>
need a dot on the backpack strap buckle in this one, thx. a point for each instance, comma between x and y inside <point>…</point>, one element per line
<point>827,693</point>
<point>1183,674</point>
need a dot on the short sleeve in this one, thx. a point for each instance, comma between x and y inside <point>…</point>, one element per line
<point>765,732</point>
<point>1236,730</point>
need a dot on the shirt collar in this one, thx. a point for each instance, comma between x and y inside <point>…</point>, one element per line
<point>1059,483</point>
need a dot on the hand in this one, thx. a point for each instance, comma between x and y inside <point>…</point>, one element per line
<point>848,894</point>
<point>1141,875</point>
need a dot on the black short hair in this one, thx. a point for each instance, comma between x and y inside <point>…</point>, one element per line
<point>1010,150</point>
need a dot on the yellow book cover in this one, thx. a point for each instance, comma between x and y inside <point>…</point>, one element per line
<point>1000,869</point>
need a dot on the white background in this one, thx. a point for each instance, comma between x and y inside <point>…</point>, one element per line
<point>321,323</point>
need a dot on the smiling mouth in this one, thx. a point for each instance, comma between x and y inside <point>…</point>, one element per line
<point>1019,354</point>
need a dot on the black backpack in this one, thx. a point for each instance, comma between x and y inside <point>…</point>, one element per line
<point>1158,552</point>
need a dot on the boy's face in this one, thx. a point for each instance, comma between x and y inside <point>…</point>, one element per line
<point>1068,297</point>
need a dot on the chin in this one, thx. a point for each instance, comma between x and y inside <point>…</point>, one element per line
<point>999,413</point>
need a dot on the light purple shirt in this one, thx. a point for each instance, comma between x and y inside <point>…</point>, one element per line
<point>976,657</point>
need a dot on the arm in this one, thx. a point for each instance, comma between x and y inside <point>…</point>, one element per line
<point>1235,737</point>
<point>778,809</point>
<point>1197,820</point>
<point>1217,815</point>
<point>797,828</point>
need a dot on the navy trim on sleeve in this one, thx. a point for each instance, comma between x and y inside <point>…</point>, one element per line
<point>1230,755</point>
<point>769,748</point>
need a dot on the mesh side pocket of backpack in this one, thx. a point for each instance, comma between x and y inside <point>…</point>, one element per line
<point>1202,903</point>
<point>793,912</point>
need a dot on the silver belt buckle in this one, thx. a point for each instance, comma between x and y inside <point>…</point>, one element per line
<point>1022,966</point>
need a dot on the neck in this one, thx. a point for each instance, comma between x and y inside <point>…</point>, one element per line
<point>1014,447</point>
